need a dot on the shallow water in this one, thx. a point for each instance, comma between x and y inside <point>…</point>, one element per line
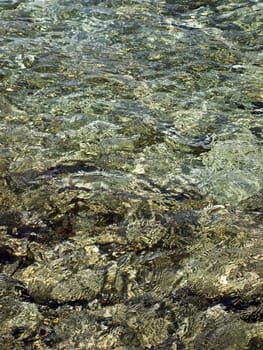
<point>131,174</point>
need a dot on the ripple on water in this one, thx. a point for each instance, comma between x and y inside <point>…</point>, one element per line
<point>131,174</point>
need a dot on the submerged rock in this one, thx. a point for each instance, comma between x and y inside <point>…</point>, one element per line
<point>131,175</point>
<point>19,322</point>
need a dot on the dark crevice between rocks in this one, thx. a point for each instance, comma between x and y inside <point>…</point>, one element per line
<point>7,255</point>
<point>53,304</point>
<point>255,343</point>
<point>78,165</point>
<point>249,310</point>
<point>51,230</point>
<point>12,223</point>
<point>13,287</point>
<point>45,334</point>
<point>173,8</point>
<point>185,297</point>
<point>61,229</point>
<point>10,218</point>
<point>18,183</point>
<point>257,107</point>
<point>54,231</point>
<point>257,131</point>
<point>31,233</point>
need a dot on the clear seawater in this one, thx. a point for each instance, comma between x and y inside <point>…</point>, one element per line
<point>132,173</point>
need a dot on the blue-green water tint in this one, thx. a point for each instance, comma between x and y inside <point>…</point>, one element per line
<point>131,150</point>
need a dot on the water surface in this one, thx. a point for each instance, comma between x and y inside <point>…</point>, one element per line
<point>131,174</point>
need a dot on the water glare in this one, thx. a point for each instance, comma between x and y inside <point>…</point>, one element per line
<point>131,174</point>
